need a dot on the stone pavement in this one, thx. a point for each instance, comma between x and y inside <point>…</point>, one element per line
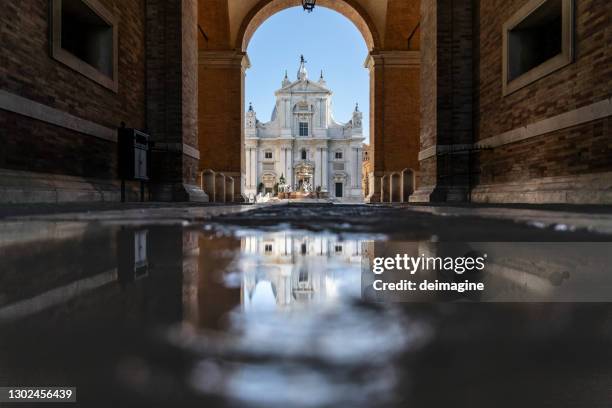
<point>560,218</point>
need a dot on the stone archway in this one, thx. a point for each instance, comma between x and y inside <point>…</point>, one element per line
<point>390,30</point>
<point>264,9</point>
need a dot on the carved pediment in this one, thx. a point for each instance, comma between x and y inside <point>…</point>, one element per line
<point>305,86</point>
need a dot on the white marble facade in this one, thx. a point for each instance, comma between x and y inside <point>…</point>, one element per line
<point>304,144</point>
<point>282,270</point>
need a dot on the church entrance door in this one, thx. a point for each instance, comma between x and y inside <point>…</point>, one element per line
<point>339,190</point>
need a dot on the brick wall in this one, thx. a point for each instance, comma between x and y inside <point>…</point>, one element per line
<point>395,94</point>
<point>28,70</point>
<point>220,122</point>
<point>402,22</point>
<point>446,79</point>
<point>401,120</point>
<point>582,149</point>
<point>446,95</point>
<point>172,87</point>
<point>32,145</point>
<point>429,44</point>
<point>213,20</point>
<point>190,72</point>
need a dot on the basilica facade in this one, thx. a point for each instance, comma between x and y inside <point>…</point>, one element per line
<point>302,147</point>
<point>284,270</point>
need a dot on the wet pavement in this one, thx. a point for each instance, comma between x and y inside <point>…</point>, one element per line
<point>266,307</point>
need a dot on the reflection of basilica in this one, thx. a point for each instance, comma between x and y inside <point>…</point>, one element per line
<point>303,145</point>
<point>284,269</point>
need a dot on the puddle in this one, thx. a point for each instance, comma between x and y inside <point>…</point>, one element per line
<point>218,315</point>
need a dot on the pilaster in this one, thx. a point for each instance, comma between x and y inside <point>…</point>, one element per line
<point>171,89</point>
<point>446,92</point>
<point>394,113</point>
<point>221,112</point>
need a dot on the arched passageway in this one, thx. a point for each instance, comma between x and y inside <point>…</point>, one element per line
<point>393,62</point>
<point>349,8</point>
<point>467,129</point>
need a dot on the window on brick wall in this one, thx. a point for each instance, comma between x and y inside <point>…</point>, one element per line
<point>84,37</point>
<point>538,40</point>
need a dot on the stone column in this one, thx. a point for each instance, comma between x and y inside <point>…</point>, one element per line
<point>290,163</point>
<point>359,169</point>
<point>249,174</point>
<point>318,173</point>
<point>446,93</point>
<point>325,184</point>
<point>320,114</point>
<point>374,63</point>
<point>354,164</point>
<point>280,159</point>
<point>221,112</point>
<point>374,186</point>
<point>172,99</point>
<point>255,167</point>
<point>287,167</point>
<point>394,113</point>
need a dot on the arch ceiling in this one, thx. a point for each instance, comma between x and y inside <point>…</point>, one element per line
<point>245,16</point>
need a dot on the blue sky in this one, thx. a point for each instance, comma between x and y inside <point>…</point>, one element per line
<point>328,40</point>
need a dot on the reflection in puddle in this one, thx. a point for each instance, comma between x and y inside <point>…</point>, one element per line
<point>276,359</point>
<point>224,316</point>
<point>292,269</point>
<point>300,329</point>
